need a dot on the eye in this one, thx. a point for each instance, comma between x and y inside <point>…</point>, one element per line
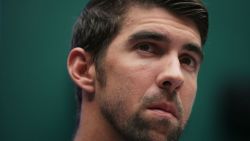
<point>189,62</point>
<point>146,47</point>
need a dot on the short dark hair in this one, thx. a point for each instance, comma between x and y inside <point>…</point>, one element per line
<point>101,20</point>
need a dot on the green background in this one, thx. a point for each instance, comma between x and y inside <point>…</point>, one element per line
<point>37,97</point>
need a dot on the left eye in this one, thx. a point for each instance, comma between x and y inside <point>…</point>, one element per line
<point>189,61</point>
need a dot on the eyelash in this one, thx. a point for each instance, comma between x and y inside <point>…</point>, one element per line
<point>150,48</point>
<point>191,65</point>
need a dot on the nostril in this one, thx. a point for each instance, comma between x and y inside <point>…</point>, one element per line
<point>166,84</point>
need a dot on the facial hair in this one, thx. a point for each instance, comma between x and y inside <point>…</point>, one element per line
<point>136,127</point>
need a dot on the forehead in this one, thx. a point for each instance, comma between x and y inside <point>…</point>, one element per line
<point>159,20</point>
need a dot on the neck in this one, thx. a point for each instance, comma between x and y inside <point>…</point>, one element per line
<point>93,126</point>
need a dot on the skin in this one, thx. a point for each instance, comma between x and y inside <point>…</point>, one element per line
<point>149,63</point>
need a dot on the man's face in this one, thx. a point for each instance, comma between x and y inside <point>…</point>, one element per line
<point>150,71</point>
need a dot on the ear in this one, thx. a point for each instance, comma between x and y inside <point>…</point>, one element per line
<point>81,69</point>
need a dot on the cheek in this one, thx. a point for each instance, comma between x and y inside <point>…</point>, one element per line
<point>127,73</point>
<point>126,81</point>
<point>187,96</point>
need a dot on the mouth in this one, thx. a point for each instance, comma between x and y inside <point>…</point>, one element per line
<point>164,110</point>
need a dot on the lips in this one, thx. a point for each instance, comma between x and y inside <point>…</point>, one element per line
<point>164,108</point>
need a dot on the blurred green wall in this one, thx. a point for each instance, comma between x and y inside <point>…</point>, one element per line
<point>1,15</point>
<point>37,96</point>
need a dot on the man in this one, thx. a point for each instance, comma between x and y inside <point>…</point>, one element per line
<point>135,64</point>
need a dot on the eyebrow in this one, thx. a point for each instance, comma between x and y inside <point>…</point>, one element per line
<point>196,49</point>
<point>147,35</point>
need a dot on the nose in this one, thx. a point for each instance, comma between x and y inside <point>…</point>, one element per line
<point>170,76</point>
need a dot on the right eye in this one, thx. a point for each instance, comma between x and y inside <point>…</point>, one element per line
<point>146,48</point>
